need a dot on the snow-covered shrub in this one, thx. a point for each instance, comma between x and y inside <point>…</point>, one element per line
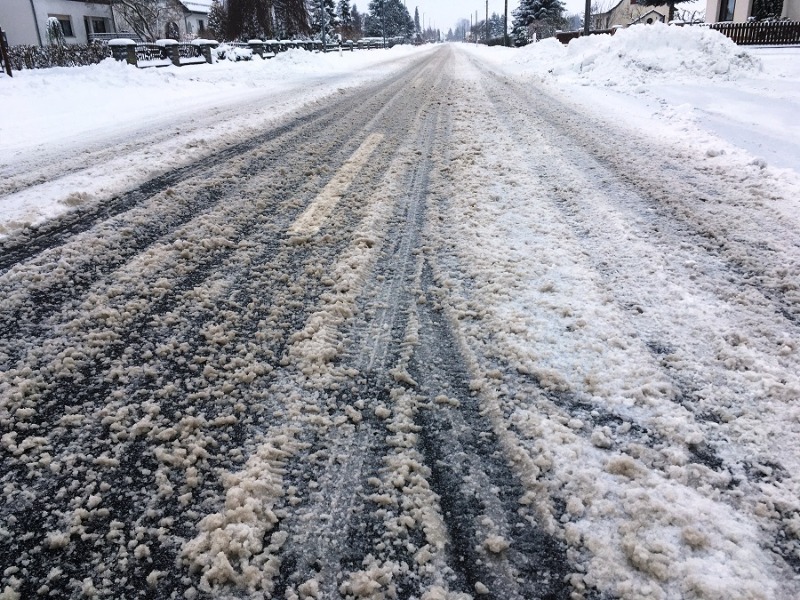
<point>55,34</point>
<point>228,52</point>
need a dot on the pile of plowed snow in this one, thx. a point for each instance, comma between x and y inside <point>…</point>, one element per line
<point>640,54</point>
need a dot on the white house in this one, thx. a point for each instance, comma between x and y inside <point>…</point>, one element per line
<point>25,21</point>
<point>195,16</point>
<point>626,12</point>
<point>741,10</point>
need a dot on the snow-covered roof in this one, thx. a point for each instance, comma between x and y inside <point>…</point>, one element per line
<point>197,6</point>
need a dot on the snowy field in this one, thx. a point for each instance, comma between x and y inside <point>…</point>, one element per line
<point>502,324</point>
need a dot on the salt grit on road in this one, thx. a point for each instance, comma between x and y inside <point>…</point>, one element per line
<point>517,324</point>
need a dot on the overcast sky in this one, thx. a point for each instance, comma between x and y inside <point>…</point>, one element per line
<point>444,14</point>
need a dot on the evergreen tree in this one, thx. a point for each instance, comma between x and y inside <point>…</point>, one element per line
<point>496,26</point>
<point>291,18</point>
<point>358,23</point>
<point>249,19</point>
<point>417,28</point>
<point>217,20</point>
<point>331,20</point>
<point>390,18</point>
<point>343,13</point>
<point>539,17</point>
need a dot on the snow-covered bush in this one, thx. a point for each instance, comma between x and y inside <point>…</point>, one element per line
<point>233,53</point>
<point>55,34</point>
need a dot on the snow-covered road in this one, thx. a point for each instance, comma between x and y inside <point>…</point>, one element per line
<point>441,335</point>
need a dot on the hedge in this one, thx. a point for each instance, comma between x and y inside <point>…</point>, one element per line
<point>36,57</point>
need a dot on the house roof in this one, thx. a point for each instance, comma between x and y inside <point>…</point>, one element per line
<point>197,6</point>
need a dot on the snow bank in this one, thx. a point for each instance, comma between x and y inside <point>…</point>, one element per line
<point>123,125</point>
<point>640,54</point>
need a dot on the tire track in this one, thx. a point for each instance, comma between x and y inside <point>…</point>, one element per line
<point>353,452</point>
<point>176,395</point>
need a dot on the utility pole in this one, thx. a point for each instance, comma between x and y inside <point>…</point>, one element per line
<point>322,20</point>
<point>476,27</point>
<point>383,21</point>
<point>505,27</point>
<point>587,15</point>
<point>487,22</point>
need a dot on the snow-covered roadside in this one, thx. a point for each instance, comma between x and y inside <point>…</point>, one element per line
<point>661,412</point>
<point>69,137</point>
<point>684,85</point>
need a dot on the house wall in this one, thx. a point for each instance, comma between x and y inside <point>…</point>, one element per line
<point>17,19</point>
<point>744,8</point>
<point>624,13</point>
<point>192,24</point>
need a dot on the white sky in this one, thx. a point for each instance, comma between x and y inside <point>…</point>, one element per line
<point>444,14</point>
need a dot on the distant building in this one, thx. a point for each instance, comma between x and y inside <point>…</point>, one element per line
<point>743,10</point>
<point>628,12</point>
<point>195,17</point>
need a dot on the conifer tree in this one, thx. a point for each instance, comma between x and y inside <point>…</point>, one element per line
<point>217,20</point>
<point>249,19</point>
<point>291,18</point>
<point>358,22</point>
<point>540,17</point>
<point>331,20</point>
<point>392,15</point>
<point>345,19</point>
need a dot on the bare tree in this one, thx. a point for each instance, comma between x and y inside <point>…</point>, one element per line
<point>602,14</point>
<point>149,19</point>
<point>690,16</point>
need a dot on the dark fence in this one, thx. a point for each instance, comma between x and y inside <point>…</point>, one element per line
<point>770,33</point>
<point>162,54</point>
<point>565,37</point>
<point>146,54</point>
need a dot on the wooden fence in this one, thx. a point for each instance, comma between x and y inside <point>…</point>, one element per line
<point>768,33</point>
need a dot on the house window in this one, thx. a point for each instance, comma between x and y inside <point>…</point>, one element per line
<point>202,25</point>
<point>726,10</point>
<point>171,31</point>
<point>99,26</point>
<point>66,24</point>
